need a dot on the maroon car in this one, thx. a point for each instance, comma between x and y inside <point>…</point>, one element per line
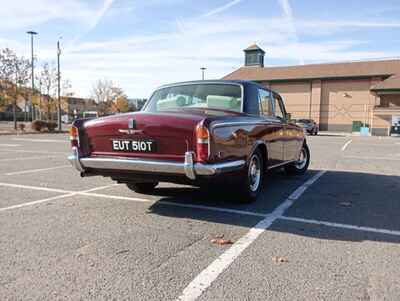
<point>195,133</point>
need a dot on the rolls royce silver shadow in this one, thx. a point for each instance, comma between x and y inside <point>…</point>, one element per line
<point>195,133</point>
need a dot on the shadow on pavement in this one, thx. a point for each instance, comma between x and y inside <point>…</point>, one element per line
<point>352,198</point>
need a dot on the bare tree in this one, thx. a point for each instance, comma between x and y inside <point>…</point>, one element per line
<point>66,88</point>
<point>105,93</point>
<point>105,90</point>
<point>14,72</point>
<point>48,82</point>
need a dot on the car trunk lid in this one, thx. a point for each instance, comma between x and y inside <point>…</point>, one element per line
<point>169,135</point>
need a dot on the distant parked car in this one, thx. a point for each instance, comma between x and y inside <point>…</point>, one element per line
<point>309,126</point>
<point>90,114</point>
<point>194,133</point>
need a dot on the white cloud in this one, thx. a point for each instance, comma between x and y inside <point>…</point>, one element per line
<point>141,62</point>
<point>94,20</point>
<point>222,8</point>
<point>17,14</point>
<point>288,14</point>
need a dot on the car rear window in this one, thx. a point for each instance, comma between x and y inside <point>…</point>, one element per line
<point>214,96</point>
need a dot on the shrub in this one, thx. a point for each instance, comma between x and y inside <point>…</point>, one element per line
<point>51,126</point>
<point>21,126</point>
<point>38,125</point>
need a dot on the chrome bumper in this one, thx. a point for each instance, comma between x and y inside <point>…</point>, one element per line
<point>188,168</point>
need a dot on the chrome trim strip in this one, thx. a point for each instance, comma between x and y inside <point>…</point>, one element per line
<point>281,164</point>
<point>75,160</point>
<point>188,168</point>
<point>239,123</point>
<point>218,168</point>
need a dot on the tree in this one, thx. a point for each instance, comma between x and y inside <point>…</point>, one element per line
<point>66,88</point>
<point>121,104</point>
<point>14,73</point>
<point>105,91</point>
<point>105,94</point>
<point>48,84</point>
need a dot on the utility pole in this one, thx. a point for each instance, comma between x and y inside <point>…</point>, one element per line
<point>203,69</point>
<point>40,99</point>
<point>32,33</point>
<point>16,97</point>
<point>58,86</point>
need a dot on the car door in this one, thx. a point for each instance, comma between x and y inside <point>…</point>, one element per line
<point>274,130</point>
<point>290,140</point>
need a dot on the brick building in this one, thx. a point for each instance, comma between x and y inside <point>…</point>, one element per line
<point>334,95</point>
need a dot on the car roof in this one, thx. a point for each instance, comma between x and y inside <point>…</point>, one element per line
<point>216,81</point>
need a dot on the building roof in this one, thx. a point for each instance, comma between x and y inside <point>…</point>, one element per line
<point>392,83</point>
<point>253,47</point>
<point>318,71</point>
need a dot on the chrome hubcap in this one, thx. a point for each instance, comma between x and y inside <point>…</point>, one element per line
<point>301,163</point>
<point>254,173</point>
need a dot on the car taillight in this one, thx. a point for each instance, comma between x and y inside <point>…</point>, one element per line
<point>74,136</point>
<point>202,143</point>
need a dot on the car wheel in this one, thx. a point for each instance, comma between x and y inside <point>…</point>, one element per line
<point>142,187</point>
<point>300,167</point>
<point>253,179</point>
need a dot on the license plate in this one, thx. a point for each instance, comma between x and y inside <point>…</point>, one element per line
<point>144,146</point>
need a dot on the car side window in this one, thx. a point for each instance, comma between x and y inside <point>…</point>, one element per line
<point>266,104</point>
<point>279,111</point>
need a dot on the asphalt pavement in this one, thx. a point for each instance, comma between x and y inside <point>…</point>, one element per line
<point>332,234</point>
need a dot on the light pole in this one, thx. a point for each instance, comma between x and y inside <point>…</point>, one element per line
<point>203,69</point>
<point>58,86</point>
<point>32,33</point>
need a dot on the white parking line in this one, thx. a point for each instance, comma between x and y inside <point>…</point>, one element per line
<point>35,170</point>
<point>26,158</point>
<point>41,140</point>
<point>200,283</point>
<point>39,188</point>
<point>10,145</point>
<point>69,194</point>
<point>32,152</point>
<point>372,158</point>
<point>346,145</point>
<point>343,226</point>
<point>123,198</point>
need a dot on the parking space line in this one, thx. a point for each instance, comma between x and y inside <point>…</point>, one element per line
<point>219,209</point>
<point>35,170</point>
<point>40,140</point>
<point>338,225</point>
<point>37,202</point>
<point>346,145</point>
<point>124,198</point>
<point>65,195</point>
<point>32,151</point>
<point>202,281</point>
<point>26,158</point>
<point>36,188</point>
<point>372,158</point>
<point>9,145</point>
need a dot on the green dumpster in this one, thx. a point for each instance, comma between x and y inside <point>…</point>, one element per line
<point>356,126</point>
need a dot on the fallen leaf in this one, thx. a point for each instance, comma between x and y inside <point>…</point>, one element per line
<point>220,241</point>
<point>279,259</point>
<point>122,252</point>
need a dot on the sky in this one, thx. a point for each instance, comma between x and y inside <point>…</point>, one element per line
<point>140,45</point>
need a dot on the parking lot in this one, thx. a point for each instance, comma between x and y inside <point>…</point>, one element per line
<point>332,234</point>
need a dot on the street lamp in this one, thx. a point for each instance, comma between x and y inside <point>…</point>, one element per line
<point>58,85</point>
<point>32,33</point>
<point>203,69</point>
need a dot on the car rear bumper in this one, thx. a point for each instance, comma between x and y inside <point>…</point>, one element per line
<point>188,167</point>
